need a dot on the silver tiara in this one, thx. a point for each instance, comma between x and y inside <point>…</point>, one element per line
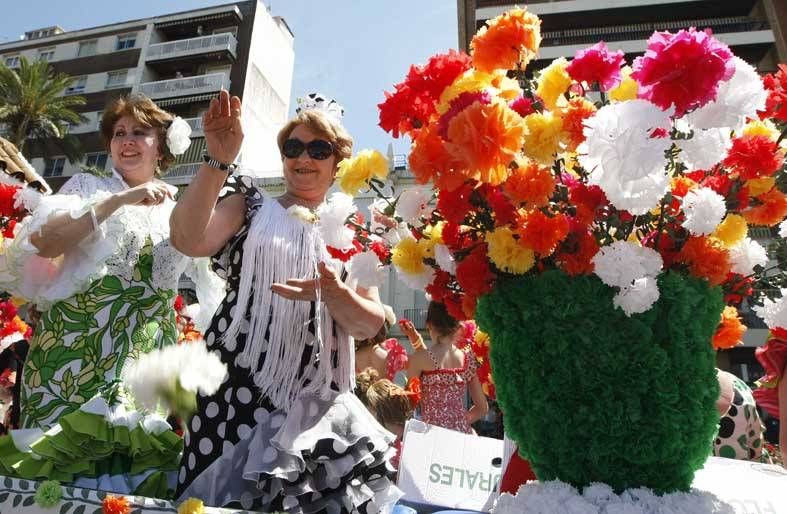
<point>321,103</point>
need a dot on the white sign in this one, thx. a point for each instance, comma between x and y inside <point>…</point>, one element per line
<point>448,468</point>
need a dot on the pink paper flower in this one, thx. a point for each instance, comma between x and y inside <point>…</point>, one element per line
<point>682,69</point>
<point>597,64</point>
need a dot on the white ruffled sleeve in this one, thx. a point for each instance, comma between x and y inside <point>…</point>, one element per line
<point>44,281</point>
<point>210,289</point>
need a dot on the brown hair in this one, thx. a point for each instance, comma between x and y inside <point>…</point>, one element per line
<point>318,123</point>
<point>146,113</point>
<point>378,338</point>
<point>441,322</point>
<point>387,402</point>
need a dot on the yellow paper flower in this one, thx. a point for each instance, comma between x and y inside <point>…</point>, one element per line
<point>435,232</point>
<point>470,81</point>
<point>732,230</point>
<point>543,136</point>
<point>506,252</point>
<point>758,186</point>
<point>356,172</point>
<point>408,256</point>
<point>553,82</point>
<point>761,128</point>
<point>627,89</point>
<point>191,506</point>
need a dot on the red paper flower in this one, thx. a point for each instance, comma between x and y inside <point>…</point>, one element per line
<point>682,69</point>
<point>455,205</point>
<point>754,157</point>
<point>522,105</point>
<point>473,272</point>
<point>776,103</point>
<point>115,505</point>
<point>347,253</point>
<point>597,65</point>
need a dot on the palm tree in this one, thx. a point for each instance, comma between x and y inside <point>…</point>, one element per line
<point>32,106</point>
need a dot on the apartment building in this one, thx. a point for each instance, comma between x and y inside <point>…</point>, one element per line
<point>756,30</point>
<point>181,61</point>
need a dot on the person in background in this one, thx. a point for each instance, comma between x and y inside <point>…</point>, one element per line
<point>740,427</point>
<point>771,394</point>
<point>446,373</point>
<point>380,352</point>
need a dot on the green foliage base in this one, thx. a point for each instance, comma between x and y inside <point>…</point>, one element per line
<point>591,395</point>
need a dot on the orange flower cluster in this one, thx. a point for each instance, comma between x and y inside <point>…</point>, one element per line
<point>730,331</point>
<point>115,505</point>
<point>771,210</point>
<point>706,258</point>
<point>530,183</point>
<point>507,42</point>
<point>574,116</point>
<point>542,233</point>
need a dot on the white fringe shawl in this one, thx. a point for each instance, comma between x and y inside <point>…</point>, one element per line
<point>278,247</point>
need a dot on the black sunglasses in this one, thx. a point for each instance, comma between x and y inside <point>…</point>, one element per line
<point>319,149</point>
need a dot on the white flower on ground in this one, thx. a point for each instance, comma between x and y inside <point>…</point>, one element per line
<point>623,262</point>
<point>155,375</point>
<point>412,205</point>
<point>365,267</point>
<point>704,209</point>
<point>333,216</point>
<point>705,149</point>
<point>639,297</point>
<point>444,259</point>
<point>737,100</point>
<point>178,136</point>
<point>774,312</point>
<point>746,255</point>
<point>623,158</point>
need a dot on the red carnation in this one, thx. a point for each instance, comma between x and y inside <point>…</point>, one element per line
<point>776,103</point>
<point>522,106</point>
<point>597,65</point>
<point>505,212</point>
<point>473,272</point>
<point>346,254</point>
<point>754,157</point>
<point>381,250</point>
<point>455,205</point>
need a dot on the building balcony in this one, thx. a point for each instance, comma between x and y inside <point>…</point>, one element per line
<point>180,175</point>
<point>91,124</point>
<point>215,43</point>
<point>186,86</point>
<point>196,125</point>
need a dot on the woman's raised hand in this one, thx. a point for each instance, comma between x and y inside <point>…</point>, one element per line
<point>149,193</point>
<point>222,128</point>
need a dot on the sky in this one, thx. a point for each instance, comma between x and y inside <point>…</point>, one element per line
<point>350,50</point>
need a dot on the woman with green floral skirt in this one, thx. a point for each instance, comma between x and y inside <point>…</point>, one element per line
<point>96,259</point>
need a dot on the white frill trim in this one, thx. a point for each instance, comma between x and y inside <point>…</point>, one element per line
<point>210,290</point>
<point>559,497</point>
<point>44,281</point>
<point>122,414</point>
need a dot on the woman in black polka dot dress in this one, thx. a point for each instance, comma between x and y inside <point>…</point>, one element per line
<point>284,431</point>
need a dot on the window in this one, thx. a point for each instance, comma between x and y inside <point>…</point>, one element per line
<point>46,54</point>
<point>96,160</point>
<point>78,86</point>
<point>116,79</point>
<point>54,167</point>
<point>126,41</point>
<point>12,61</point>
<point>87,48</point>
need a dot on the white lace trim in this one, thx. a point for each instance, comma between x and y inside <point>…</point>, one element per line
<point>114,250</point>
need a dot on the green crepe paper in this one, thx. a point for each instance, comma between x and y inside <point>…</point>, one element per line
<point>48,494</point>
<point>591,395</point>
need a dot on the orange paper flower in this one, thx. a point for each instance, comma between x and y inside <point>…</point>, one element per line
<point>115,505</point>
<point>772,210</point>
<point>730,331</point>
<point>485,139</point>
<point>577,259</point>
<point>542,233</point>
<point>429,159</point>
<point>706,258</point>
<point>509,41</point>
<point>530,183</point>
<point>574,116</point>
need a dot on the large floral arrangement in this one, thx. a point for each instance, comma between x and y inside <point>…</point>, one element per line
<point>595,220</point>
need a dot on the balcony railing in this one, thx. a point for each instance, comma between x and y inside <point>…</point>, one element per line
<point>182,174</point>
<point>193,46</point>
<point>639,31</point>
<point>417,317</point>
<point>196,125</point>
<point>186,86</point>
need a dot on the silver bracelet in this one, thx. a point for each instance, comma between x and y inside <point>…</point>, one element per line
<point>94,219</point>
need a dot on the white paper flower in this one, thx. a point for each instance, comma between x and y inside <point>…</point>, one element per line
<point>28,198</point>
<point>622,262</point>
<point>705,149</point>
<point>704,209</point>
<point>333,216</point>
<point>444,259</point>
<point>412,205</point>
<point>365,267</point>
<point>178,136</point>
<point>623,159</point>
<point>746,255</point>
<point>774,312</point>
<point>154,374</point>
<point>416,281</point>
<point>783,229</point>
<point>639,297</point>
<point>738,99</point>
